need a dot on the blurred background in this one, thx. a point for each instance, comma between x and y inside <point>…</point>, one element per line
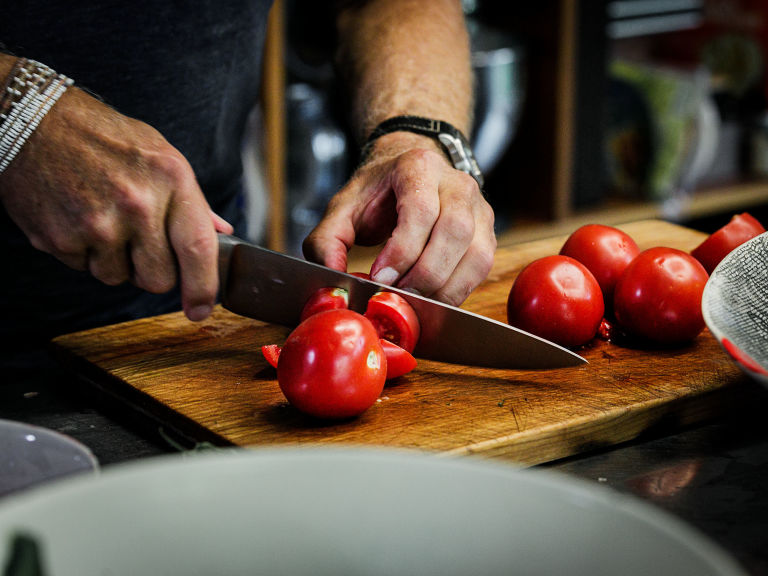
<point>587,111</point>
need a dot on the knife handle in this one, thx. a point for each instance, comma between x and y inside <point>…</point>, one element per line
<point>226,246</point>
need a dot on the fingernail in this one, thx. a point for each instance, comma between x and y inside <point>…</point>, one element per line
<point>386,275</point>
<point>411,290</point>
<point>199,313</point>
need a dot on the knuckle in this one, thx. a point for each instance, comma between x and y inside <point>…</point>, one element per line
<point>456,297</point>
<point>174,165</point>
<point>166,163</point>
<point>484,262</point>
<point>423,211</point>
<point>197,248</point>
<point>60,245</point>
<point>101,230</point>
<point>111,278</point>
<point>431,279</point>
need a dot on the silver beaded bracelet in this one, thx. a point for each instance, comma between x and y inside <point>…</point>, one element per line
<point>30,93</point>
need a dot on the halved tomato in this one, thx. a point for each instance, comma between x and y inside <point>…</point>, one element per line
<point>741,228</point>
<point>394,319</point>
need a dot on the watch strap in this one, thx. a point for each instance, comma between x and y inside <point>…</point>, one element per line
<point>453,142</point>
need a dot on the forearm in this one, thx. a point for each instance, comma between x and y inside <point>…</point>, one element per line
<point>406,57</point>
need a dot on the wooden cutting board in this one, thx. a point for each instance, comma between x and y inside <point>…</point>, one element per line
<point>209,382</point>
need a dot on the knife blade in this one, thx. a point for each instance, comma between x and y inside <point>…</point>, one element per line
<point>273,287</point>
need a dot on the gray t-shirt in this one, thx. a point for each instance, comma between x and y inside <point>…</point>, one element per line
<point>189,69</point>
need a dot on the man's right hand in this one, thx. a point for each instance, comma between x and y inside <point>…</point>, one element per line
<point>108,194</point>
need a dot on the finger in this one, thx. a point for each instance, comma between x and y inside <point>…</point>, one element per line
<point>330,241</point>
<point>193,239</point>
<point>77,262</point>
<point>154,264</point>
<point>472,269</point>
<point>415,182</point>
<point>108,255</point>
<point>460,250</point>
<point>450,239</point>
<point>110,264</point>
<point>220,224</point>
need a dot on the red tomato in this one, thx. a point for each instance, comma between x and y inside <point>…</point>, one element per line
<point>395,320</point>
<point>325,299</point>
<point>741,228</point>
<point>332,365</point>
<point>271,353</point>
<point>364,275</point>
<point>605,251</point>
<point>557,298</point>
<point>399,360</point>
<point>659,296</point>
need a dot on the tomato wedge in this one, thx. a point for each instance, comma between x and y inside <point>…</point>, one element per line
<point>329,298</point>
<point>394,319</point>
<point>271,353</point>
<point>717,246</point>
<point>399,360</point>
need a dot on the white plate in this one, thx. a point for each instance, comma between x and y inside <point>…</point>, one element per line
<point>735,306</point>
<point>30,455</point>
<point>348,511</point>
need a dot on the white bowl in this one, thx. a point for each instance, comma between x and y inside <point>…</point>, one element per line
<point>348,511</point>
<point>735,306</point>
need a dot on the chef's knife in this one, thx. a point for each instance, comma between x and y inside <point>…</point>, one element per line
<point>273,287</point>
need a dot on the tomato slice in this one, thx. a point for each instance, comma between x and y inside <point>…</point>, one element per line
<point>741,228</point>
<point>271,353</point>
<point>399,360</point>
<point>329,298</point>
<point>394,319</point>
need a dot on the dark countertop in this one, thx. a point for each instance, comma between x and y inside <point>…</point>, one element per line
<point>713,476</point>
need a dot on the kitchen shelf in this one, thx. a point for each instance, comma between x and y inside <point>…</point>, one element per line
<point>550,180</point>
<point>720,200</point>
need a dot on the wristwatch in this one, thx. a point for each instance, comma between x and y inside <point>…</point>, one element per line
<point>452,140</point>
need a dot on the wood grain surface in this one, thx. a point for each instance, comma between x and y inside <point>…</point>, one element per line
<point>209,382</point>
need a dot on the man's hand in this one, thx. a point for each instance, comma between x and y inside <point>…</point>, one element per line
<point>436,225</point>
<point>408,57</point>
<point>108,194</point>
